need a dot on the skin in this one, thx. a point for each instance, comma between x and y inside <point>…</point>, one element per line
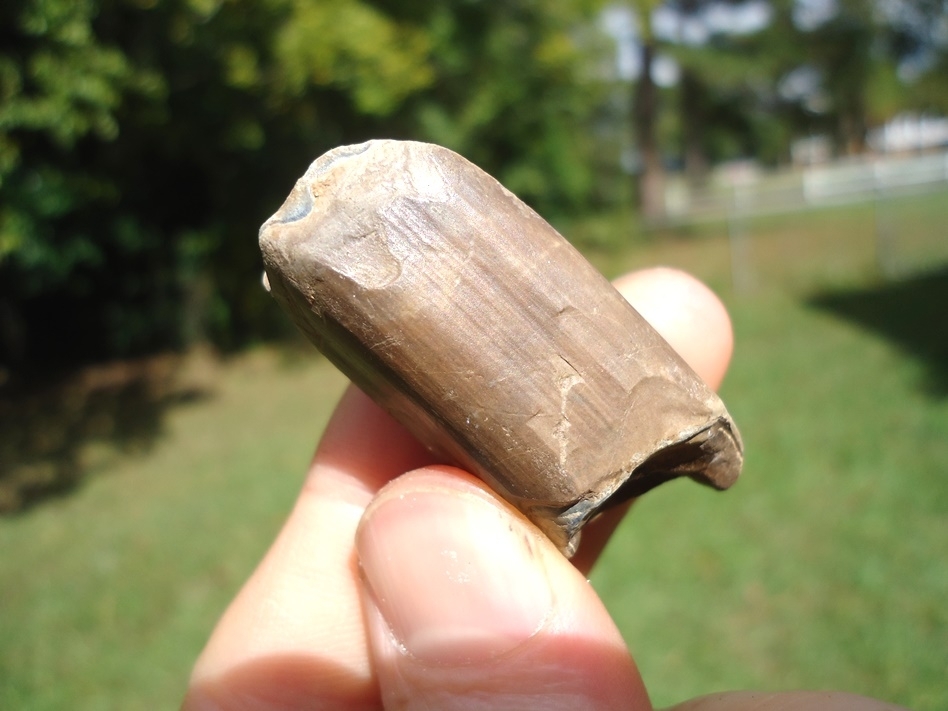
<point>400,584</point>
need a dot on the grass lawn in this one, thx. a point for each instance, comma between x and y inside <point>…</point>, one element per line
<point>826,567</point>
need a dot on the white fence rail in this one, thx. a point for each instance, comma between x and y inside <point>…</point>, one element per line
<point>868,179</point>
<point>740,192</point>
<point>747,190</point>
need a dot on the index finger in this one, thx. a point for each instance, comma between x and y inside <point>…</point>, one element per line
<point>294,635</point>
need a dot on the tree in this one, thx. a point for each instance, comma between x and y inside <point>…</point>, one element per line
<point>854,58</point>
<point>138,149</point>
<point>705,100</point>
<point>62,90</point>
<point>752,92</point>
<point>142,144</point>
<point>645,110</point>
<point>514,91</point>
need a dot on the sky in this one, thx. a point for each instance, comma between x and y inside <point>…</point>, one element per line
<point>743,18</point>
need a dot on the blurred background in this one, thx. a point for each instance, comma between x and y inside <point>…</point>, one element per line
<point>157,412</point>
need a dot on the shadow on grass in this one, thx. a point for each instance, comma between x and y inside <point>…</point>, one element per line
<point>46,429</point>
<point>912,313</point>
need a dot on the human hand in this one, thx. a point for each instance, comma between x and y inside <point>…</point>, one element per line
<point>397,583</point>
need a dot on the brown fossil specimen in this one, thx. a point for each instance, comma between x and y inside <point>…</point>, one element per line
<point>475,324</point>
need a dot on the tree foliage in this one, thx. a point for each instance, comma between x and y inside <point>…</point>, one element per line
<point>744,94</point>
<point>142,142</point>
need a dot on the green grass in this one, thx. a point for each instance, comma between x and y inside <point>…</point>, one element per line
<point>108,594</point>
<point>826,567</point>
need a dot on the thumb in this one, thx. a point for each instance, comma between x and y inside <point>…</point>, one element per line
<point>469,606</point>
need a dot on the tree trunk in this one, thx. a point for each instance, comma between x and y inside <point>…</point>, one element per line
<point>651,177</point>
<point>852,133</point>
<point>692,121</point>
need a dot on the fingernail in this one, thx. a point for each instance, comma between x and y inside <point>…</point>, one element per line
<point>458,578</point>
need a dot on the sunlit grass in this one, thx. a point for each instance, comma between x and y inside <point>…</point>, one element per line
<point>793,253</point>
<point>107,595</point>
<point>826,567</point>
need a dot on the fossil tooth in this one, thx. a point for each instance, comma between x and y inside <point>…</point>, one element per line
<point>483,331</point>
